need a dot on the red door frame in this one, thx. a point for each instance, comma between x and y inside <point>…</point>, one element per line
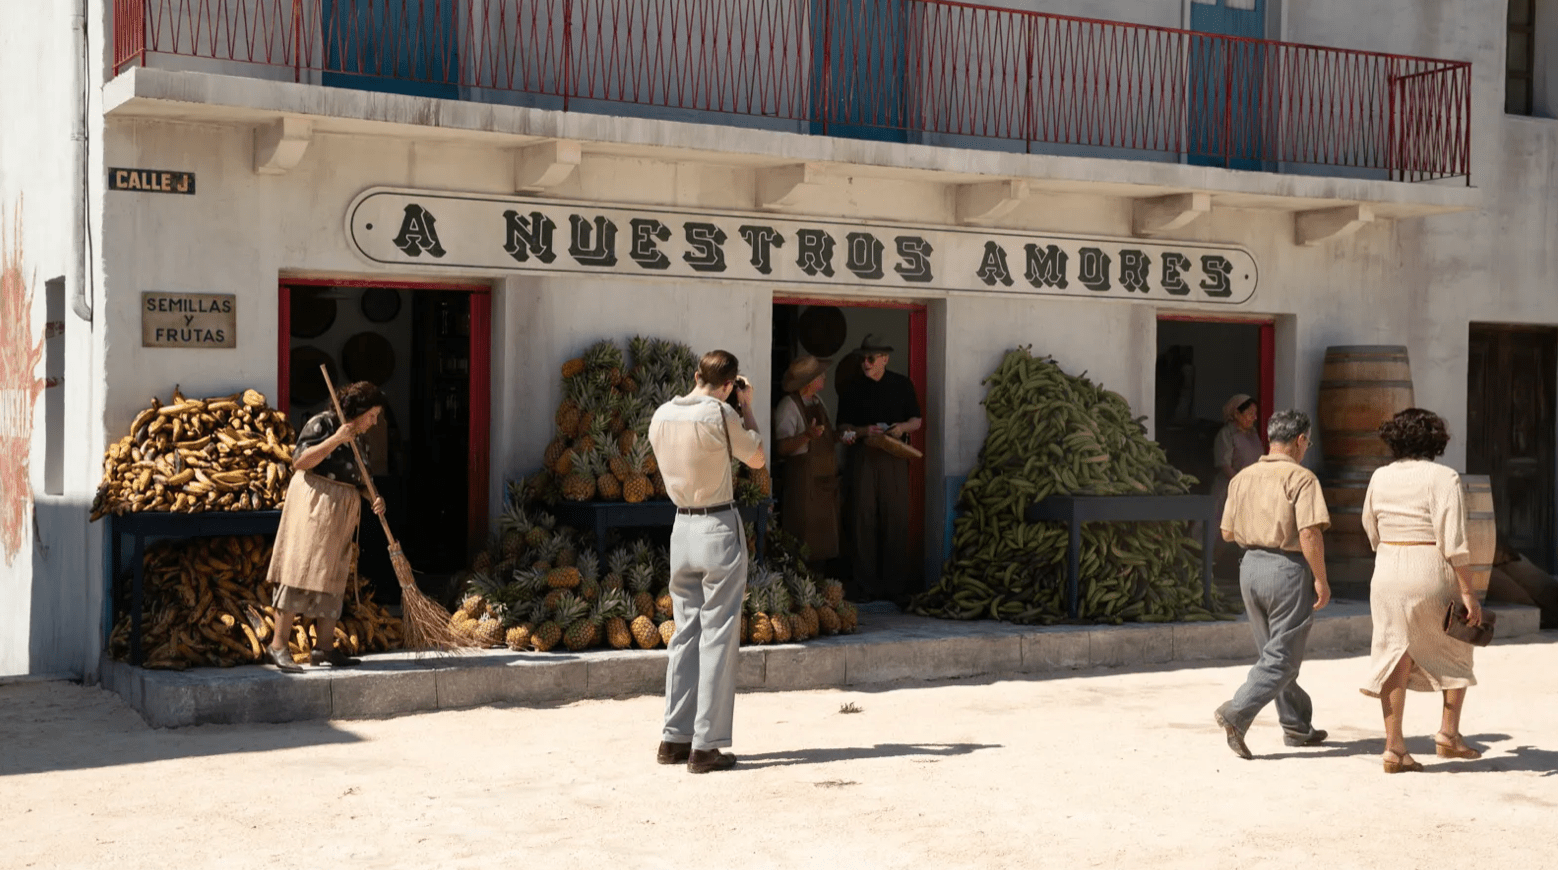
<point>1268,358</point>
<point>480,378</point>
<point>919,372</point>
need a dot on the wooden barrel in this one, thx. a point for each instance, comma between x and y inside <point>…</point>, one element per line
<point>1480,529</point>
<point>1344,493</point>
<point>1361,386</point>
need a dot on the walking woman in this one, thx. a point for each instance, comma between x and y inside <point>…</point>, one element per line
<point>312,557</point>
<point>1416,522</point>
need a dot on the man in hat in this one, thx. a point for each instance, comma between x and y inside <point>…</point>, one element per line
<point>880,403</point>
<point>804,438</point>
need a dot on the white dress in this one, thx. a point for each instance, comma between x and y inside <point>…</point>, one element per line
<point>1416,500</point>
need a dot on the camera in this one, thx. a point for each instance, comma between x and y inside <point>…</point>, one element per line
<point>740,383</point>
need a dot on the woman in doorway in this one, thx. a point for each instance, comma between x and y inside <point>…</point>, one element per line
<point>312,557</point>
<point>1237,445</point>
<point>1415,517</point>
<point>804,438</point>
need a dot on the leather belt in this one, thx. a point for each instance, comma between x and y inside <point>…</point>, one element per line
<point>705,511</point>
<point>1410,543</point>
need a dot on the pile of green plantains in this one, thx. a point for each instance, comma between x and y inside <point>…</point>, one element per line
<point>1056,434</point>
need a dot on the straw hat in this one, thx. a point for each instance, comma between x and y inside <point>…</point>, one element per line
<point>1231,407</point>
<point>803,371</point>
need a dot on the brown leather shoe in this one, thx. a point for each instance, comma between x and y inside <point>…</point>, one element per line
<point>673,753</point>
<point>709,760</point>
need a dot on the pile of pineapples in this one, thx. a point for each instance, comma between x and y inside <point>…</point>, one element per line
<point>538,588</point>
<point>601,450</point>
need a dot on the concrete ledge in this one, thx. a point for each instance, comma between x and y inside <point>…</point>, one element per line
<point>890,647</point>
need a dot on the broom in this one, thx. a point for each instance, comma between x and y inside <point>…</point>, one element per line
<point>426,623</point>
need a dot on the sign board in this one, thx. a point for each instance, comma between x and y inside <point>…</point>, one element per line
<point>401,228</point>
<point>189,320</point>
<point>151,180</point>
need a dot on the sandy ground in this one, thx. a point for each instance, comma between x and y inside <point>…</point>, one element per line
<point>1109,768</point>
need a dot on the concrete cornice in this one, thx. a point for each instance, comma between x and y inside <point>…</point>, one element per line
<point>207,98</point>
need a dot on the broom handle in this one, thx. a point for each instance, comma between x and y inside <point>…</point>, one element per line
<point>362,467</point>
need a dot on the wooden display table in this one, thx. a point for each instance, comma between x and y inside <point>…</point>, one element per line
<point>1074,510</point>
<point>160,524</point>
<point>602,516</point>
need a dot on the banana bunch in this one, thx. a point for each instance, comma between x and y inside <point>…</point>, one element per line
<point>207,602</point>
<point>1051,433</point>
<point>229,453</point>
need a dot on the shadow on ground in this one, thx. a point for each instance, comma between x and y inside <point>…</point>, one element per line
<point>48,727</point>
<point>791,757</point>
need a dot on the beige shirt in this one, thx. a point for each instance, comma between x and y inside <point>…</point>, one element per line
<point>688,435</point>
<point>1271,501</point>
<point>1417,500</point>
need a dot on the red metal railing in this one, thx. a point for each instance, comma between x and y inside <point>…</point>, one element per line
<point>945,71</point>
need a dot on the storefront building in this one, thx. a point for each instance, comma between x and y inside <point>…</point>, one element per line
<point>458,195</point>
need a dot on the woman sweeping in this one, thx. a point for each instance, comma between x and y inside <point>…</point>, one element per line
<point>312,556</point>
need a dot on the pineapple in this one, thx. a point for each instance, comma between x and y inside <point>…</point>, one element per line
<point>540,531</point>
<point>641,579</point>
<point>664,606</point>
<point>849,617</point>
<point>617,460</point>
<point>567,556</point>
<point>584,632</point>
<point>637,487</point>
<point>489,632</point>
<point>482,562</point>
<point>546,636</point>
<point>608,487</point>
<point>667,631</point>
<point>589,584</point>
<point>833,593</point>
<point>593,439</point>
<point>659,485</point>
<point>518,637</point>
<point>618,563</point>
<point>552,598</point>
<point>645,634</point>
<point>779,611</point>
<point>554,452</point>
<point>604,356</point>
<point>746,629</point>
<point>473,606</point>
<point>573,368</point>
<point>618,607</point>
<point>570,412</point>
<point>806,597</point>
<point>762,480</point>
<point>564,577</point>
<point>579,483</point>
<point>829,619</point>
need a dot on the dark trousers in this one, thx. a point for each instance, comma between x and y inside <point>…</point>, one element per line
<point>879,521</point>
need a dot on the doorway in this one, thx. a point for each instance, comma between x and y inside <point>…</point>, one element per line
<point>428,348</point>
<point>1201,364</point>
<point>1510,435</point>
<point>833,329</point>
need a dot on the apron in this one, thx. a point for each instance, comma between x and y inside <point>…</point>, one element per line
<point>313,549</point>
<point>811,488</point>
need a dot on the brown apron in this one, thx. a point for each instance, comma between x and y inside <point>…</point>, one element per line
<point>314,541</point>
<point>811,488</point>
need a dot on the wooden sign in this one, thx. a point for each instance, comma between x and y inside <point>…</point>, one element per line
<point>484,233</point>
<point>189,320</point>
<point>151,180</point>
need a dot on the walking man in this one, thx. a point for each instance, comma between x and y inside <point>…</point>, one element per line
<point>694,439</point>
<point>1275,511</point>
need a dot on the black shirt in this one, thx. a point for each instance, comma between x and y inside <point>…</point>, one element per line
<point>890,400</point>
<point>339,465</point>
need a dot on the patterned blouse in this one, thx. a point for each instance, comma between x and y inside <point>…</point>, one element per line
<point>339,465</point>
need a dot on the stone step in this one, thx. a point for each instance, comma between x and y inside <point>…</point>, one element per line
<point>889,647</point>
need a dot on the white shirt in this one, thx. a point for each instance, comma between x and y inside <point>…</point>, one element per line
<point>789,422</point>
<point>688,435</point>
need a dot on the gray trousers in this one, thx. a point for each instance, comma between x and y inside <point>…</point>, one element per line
<point>1279,597</point>
<point>708,581</point>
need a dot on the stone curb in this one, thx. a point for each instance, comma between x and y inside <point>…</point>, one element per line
<point>890,648</point>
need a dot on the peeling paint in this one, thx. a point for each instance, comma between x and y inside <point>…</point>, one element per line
<point>19,385</point>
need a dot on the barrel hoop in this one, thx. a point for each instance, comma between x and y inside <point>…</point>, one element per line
<point>1348,384</point>
<point>1366,350</point>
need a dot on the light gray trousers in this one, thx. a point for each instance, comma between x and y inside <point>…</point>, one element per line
<point>708,581</point>
<point>1279,597</point>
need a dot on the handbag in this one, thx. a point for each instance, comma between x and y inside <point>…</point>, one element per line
<point>1456,626</point>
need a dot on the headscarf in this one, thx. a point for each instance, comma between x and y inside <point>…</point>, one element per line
<point>1231,407</point>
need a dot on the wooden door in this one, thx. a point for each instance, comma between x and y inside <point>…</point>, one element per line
<point>1510,434</point>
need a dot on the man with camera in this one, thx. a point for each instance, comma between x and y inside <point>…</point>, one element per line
<point>694,439</point>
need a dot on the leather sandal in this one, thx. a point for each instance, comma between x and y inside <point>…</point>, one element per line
<point>1403,764</point>
<point>282,659</point>
<point>1453,747</point>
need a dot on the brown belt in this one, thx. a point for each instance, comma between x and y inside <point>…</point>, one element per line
<point>1410,543</point>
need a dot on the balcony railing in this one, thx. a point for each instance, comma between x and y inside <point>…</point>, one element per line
<point>912,70</point>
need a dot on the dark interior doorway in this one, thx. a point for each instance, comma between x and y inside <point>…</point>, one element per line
<point>1510,434</point>
<point>427,349</point>
<point>835,335</point>
<point>1200,365</point>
